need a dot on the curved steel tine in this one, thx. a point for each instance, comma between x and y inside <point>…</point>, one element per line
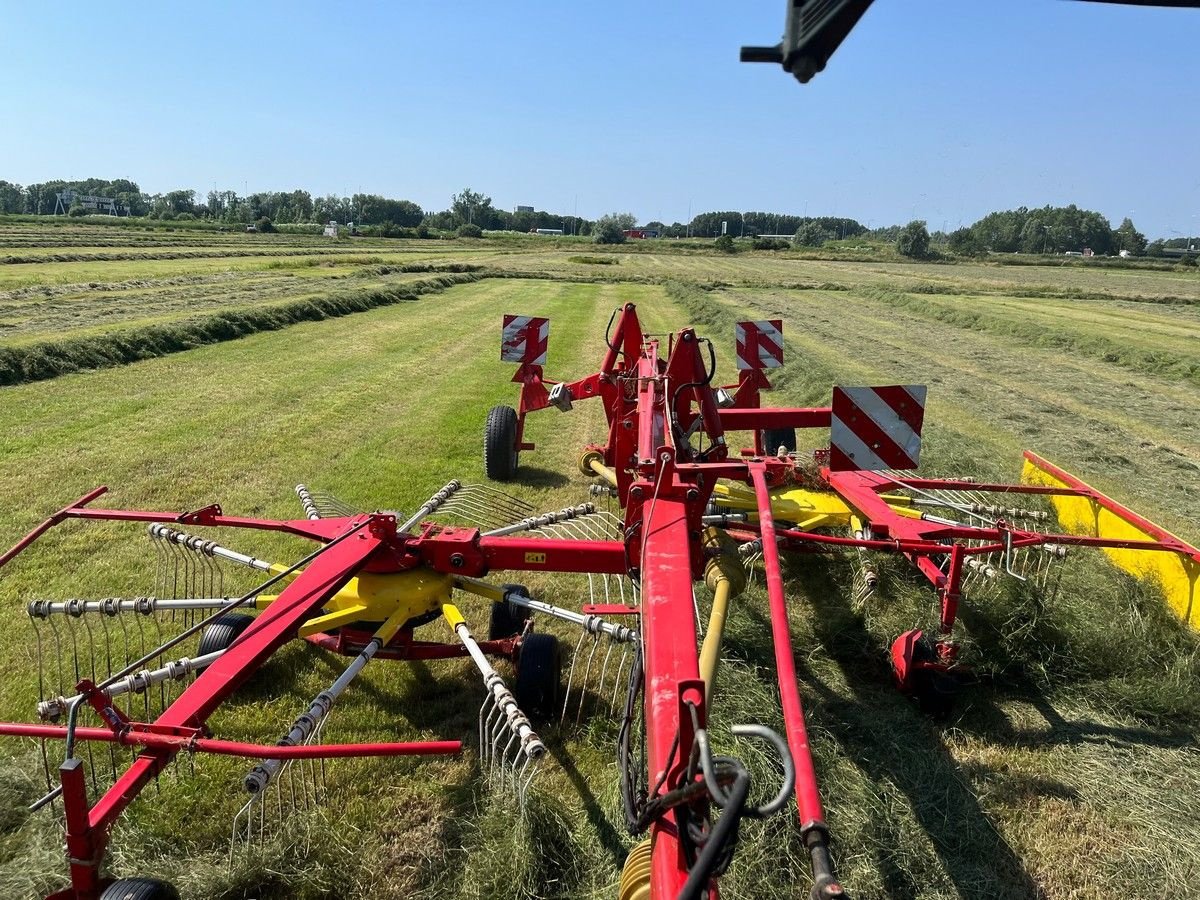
<point>525,785</point>
<point>622,659</point>
<point>571,677</point>
<point>604,668</point>
<point>583,681</point>
<point>482,710</point>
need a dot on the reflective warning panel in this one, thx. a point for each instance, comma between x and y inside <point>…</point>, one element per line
<point>876,428</point>
<point>525,340</point>
<point>760,344</point>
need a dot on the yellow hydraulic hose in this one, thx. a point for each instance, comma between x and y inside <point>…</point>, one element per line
<point>726,578</point>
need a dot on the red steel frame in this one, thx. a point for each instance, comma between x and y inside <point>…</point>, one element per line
<point>653,408</point>
<point>652,405</point>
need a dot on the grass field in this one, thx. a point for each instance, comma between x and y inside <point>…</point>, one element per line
<point>1069,770</point>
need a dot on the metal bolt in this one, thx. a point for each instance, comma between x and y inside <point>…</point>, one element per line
<point>457,560</point>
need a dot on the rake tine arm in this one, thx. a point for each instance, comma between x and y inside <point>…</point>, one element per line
<point>813,829</point>
<point>88,829</point>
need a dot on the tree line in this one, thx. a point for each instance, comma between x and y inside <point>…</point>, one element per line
<point>1022,230</point>
<point>1050,229</point>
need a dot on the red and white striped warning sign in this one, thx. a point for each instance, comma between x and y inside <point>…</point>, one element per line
<point>760,344</point>
<point>876,428</point>
<point>525,340</point>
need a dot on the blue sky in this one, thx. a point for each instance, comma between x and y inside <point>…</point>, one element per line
<point>938,109</point>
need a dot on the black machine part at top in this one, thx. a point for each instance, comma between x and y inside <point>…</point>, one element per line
<point>814,29</point>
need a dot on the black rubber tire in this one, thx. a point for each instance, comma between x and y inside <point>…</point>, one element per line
<point>774,438</point>
<point>936,692</point>
<point>139,889</point>
<point>538,686</point>
<point>934,689</point>
<point>223,631</point>
<point>500,444</point>
<point>507,618</point>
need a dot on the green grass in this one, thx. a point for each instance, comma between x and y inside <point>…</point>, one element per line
<point>1068,770</point>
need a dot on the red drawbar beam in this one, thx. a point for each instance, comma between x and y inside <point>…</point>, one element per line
<point>59,516</point>
<point>175,743</point>
<point>734,419</point>
<point>672,669</point>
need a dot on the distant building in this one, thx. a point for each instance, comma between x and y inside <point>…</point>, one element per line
<point>331,230</point>
<point>547,231</point>
<point>641,233</point>
<point>524,209</point>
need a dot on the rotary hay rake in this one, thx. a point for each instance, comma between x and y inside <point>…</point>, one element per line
<point>688,509</point>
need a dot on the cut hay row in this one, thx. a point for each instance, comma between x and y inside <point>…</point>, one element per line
<point>50,359</point>
<point>1172,353</point>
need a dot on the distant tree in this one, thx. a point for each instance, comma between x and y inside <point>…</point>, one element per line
<point>810,234</point>
<point>442,221</point>
<point>725,244</point>
<point>469,230</point>
<point>1129,238</point>
<point>471,206</point>
<point>77,210</point>
<point>1155,248</point>
<point>914,240</point>
<point>624,220</point>
<point>607,231</point>
<point>12,198</point>
<point>265,225</point>
<point>180,201</point>
<point>1188,260</point>
<point>964,242</point>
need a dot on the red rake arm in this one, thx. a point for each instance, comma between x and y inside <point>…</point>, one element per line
<point>87,829</point>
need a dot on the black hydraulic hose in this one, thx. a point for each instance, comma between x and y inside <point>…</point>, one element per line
<point>724,831</point>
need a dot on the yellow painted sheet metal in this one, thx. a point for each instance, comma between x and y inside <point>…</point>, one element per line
<point>817,509</point>
<point>809,509</point>
<point>1178,576</point>
<point>378,598</point>
<point>330,621</point>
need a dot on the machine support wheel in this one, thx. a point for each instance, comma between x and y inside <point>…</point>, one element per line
<point>507,618</point>
<point>223,631</point>
<point>774,438</point>
<point>500,444</point>
<point>932,686</point>
<point>139,889</point>
<point>539,676</point>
